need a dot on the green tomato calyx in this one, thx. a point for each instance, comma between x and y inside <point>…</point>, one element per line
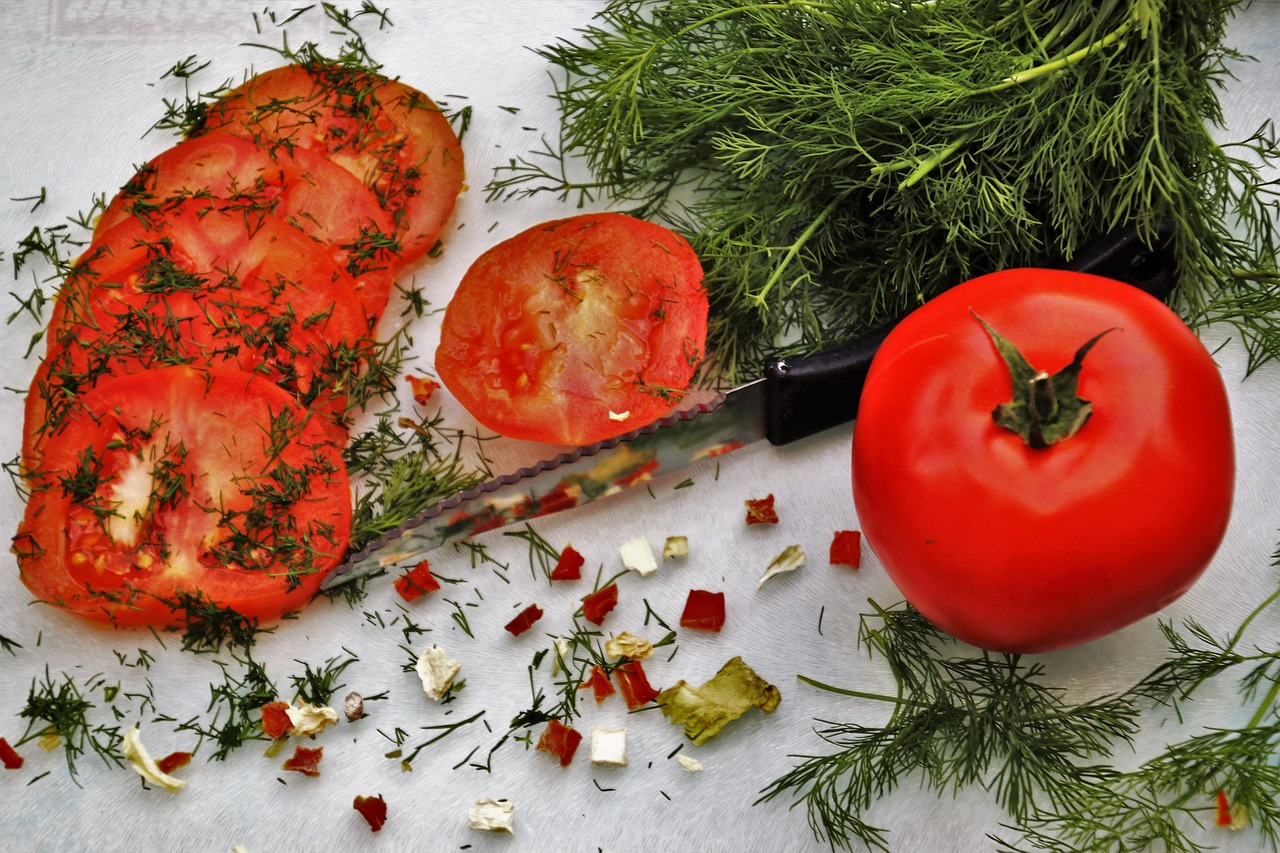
<point>1045,408</point>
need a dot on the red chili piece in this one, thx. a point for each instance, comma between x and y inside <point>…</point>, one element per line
<point>846,548</point>
<point>599,683</point>
<point>703,610</point>
<point>305,760</point>
<point>416,582</point>
<point>524,620</point>
<point>568,566</point>
<point>1224,810</point>
<point>598,604</point>
<point>275,719</point>
<point>173,761</point>
<point>761,511</point>
<point>560,740</point>
<point>634,685</point>
<point>372,809</point>
<point>9,756</point>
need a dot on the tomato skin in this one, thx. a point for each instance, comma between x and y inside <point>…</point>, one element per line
<point>1017,549</point>
<point>575,330</point>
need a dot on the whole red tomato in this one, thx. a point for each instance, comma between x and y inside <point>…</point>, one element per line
<point>1013,546</point>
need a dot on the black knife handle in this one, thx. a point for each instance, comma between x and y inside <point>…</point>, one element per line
<point>804,396</point>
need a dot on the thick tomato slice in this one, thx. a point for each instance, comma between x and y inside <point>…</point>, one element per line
<point>1023,548</point>
<point>120,331</point>
<point>576,330</point>
<point>176,481</point>
<point>302,187</point>
<point>392,137</point>
<point>268,261</point>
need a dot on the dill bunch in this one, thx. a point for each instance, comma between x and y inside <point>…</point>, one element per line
<point>837,162</point>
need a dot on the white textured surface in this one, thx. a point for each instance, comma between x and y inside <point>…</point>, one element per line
<point>79,89</point>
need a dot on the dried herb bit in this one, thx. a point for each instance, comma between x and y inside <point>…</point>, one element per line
<point>210,626</point>
<point>57,708</point>
<point>318,686</point>
<point>705,711</point>
<point>802,145</point>
<point>234,713</point>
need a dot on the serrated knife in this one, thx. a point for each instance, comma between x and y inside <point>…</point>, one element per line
<point>793,399</point>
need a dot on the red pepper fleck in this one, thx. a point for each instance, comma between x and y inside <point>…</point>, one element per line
<point>599,683</point>
<point>846,548</point>
<point>524,620</point>
<point>305,760</point>
<point>173,761</point>
<point>423,387</point>
<point>761,511</point>
<point>9,756</point>
<point>598,604</point>
<point>275,719</point>
<point>559,498</point>
<point>560,740</point>
<point>568,566</point>
<point>416,582</point>
<point>638,475</point>
<point>372,809</point>
<point>634,685</point>
<point>1224,810</point>
<point>703,610</point>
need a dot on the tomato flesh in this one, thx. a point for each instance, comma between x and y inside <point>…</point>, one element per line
<point>179,480</point>
<point>576,330</point>
<point>1015,548</point>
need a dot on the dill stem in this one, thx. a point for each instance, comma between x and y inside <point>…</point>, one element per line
<point>794,249</point>
<point>859,694</point>
<point>1061,62</point>
<point>1263,709</point>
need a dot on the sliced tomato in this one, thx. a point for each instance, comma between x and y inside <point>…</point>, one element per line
<point>576,330</point>
<point>634,684</point>
<point>275,719</point>
<point>304,760</point>
<point>179,480</point>
<point>416,582</point>
<point>391,136</point>
<point>598,604</point>
<point>599,683</point>
<point>372,809</point>
<point>703,610</point>
<point>252,182</point>
<point>267,261</point>
<point>568,565</point>
<point>524,620</point>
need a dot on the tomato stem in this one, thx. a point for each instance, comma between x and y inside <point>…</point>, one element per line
<point>1045,408</point>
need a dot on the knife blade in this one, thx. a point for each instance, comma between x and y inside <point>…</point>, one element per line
<point>795,398</point>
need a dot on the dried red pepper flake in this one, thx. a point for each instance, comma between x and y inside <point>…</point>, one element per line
<point>305,760</point>
<point>422,387</point>
<point>761,511</point>
<point>634,684</point>
<point>1224,810</point>
<point>372,809</point>
<point>703,610</point>
<point>524,620</point>
<point>275,719</point>
<point>173,761</point>
<point>846,548</point>
<point>638,475</point>
<point>599,683</point>
<point>568,565</point>
<point>9,756</point>
<point>416,582</point>
<point>560,740</point>
<point>597,605</point>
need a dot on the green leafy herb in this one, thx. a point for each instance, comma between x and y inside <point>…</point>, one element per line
<point>835,162</point>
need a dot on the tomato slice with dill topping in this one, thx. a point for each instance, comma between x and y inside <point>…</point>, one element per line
<point>180,480</point>
<point>391,136</point>
<point>303,188</point>
<point>416,582</point>
<point>576,330</point>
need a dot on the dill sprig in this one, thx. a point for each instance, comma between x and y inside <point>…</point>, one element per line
<point>956,721</point>
<point>835,162</point>
<point>58,708</point>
